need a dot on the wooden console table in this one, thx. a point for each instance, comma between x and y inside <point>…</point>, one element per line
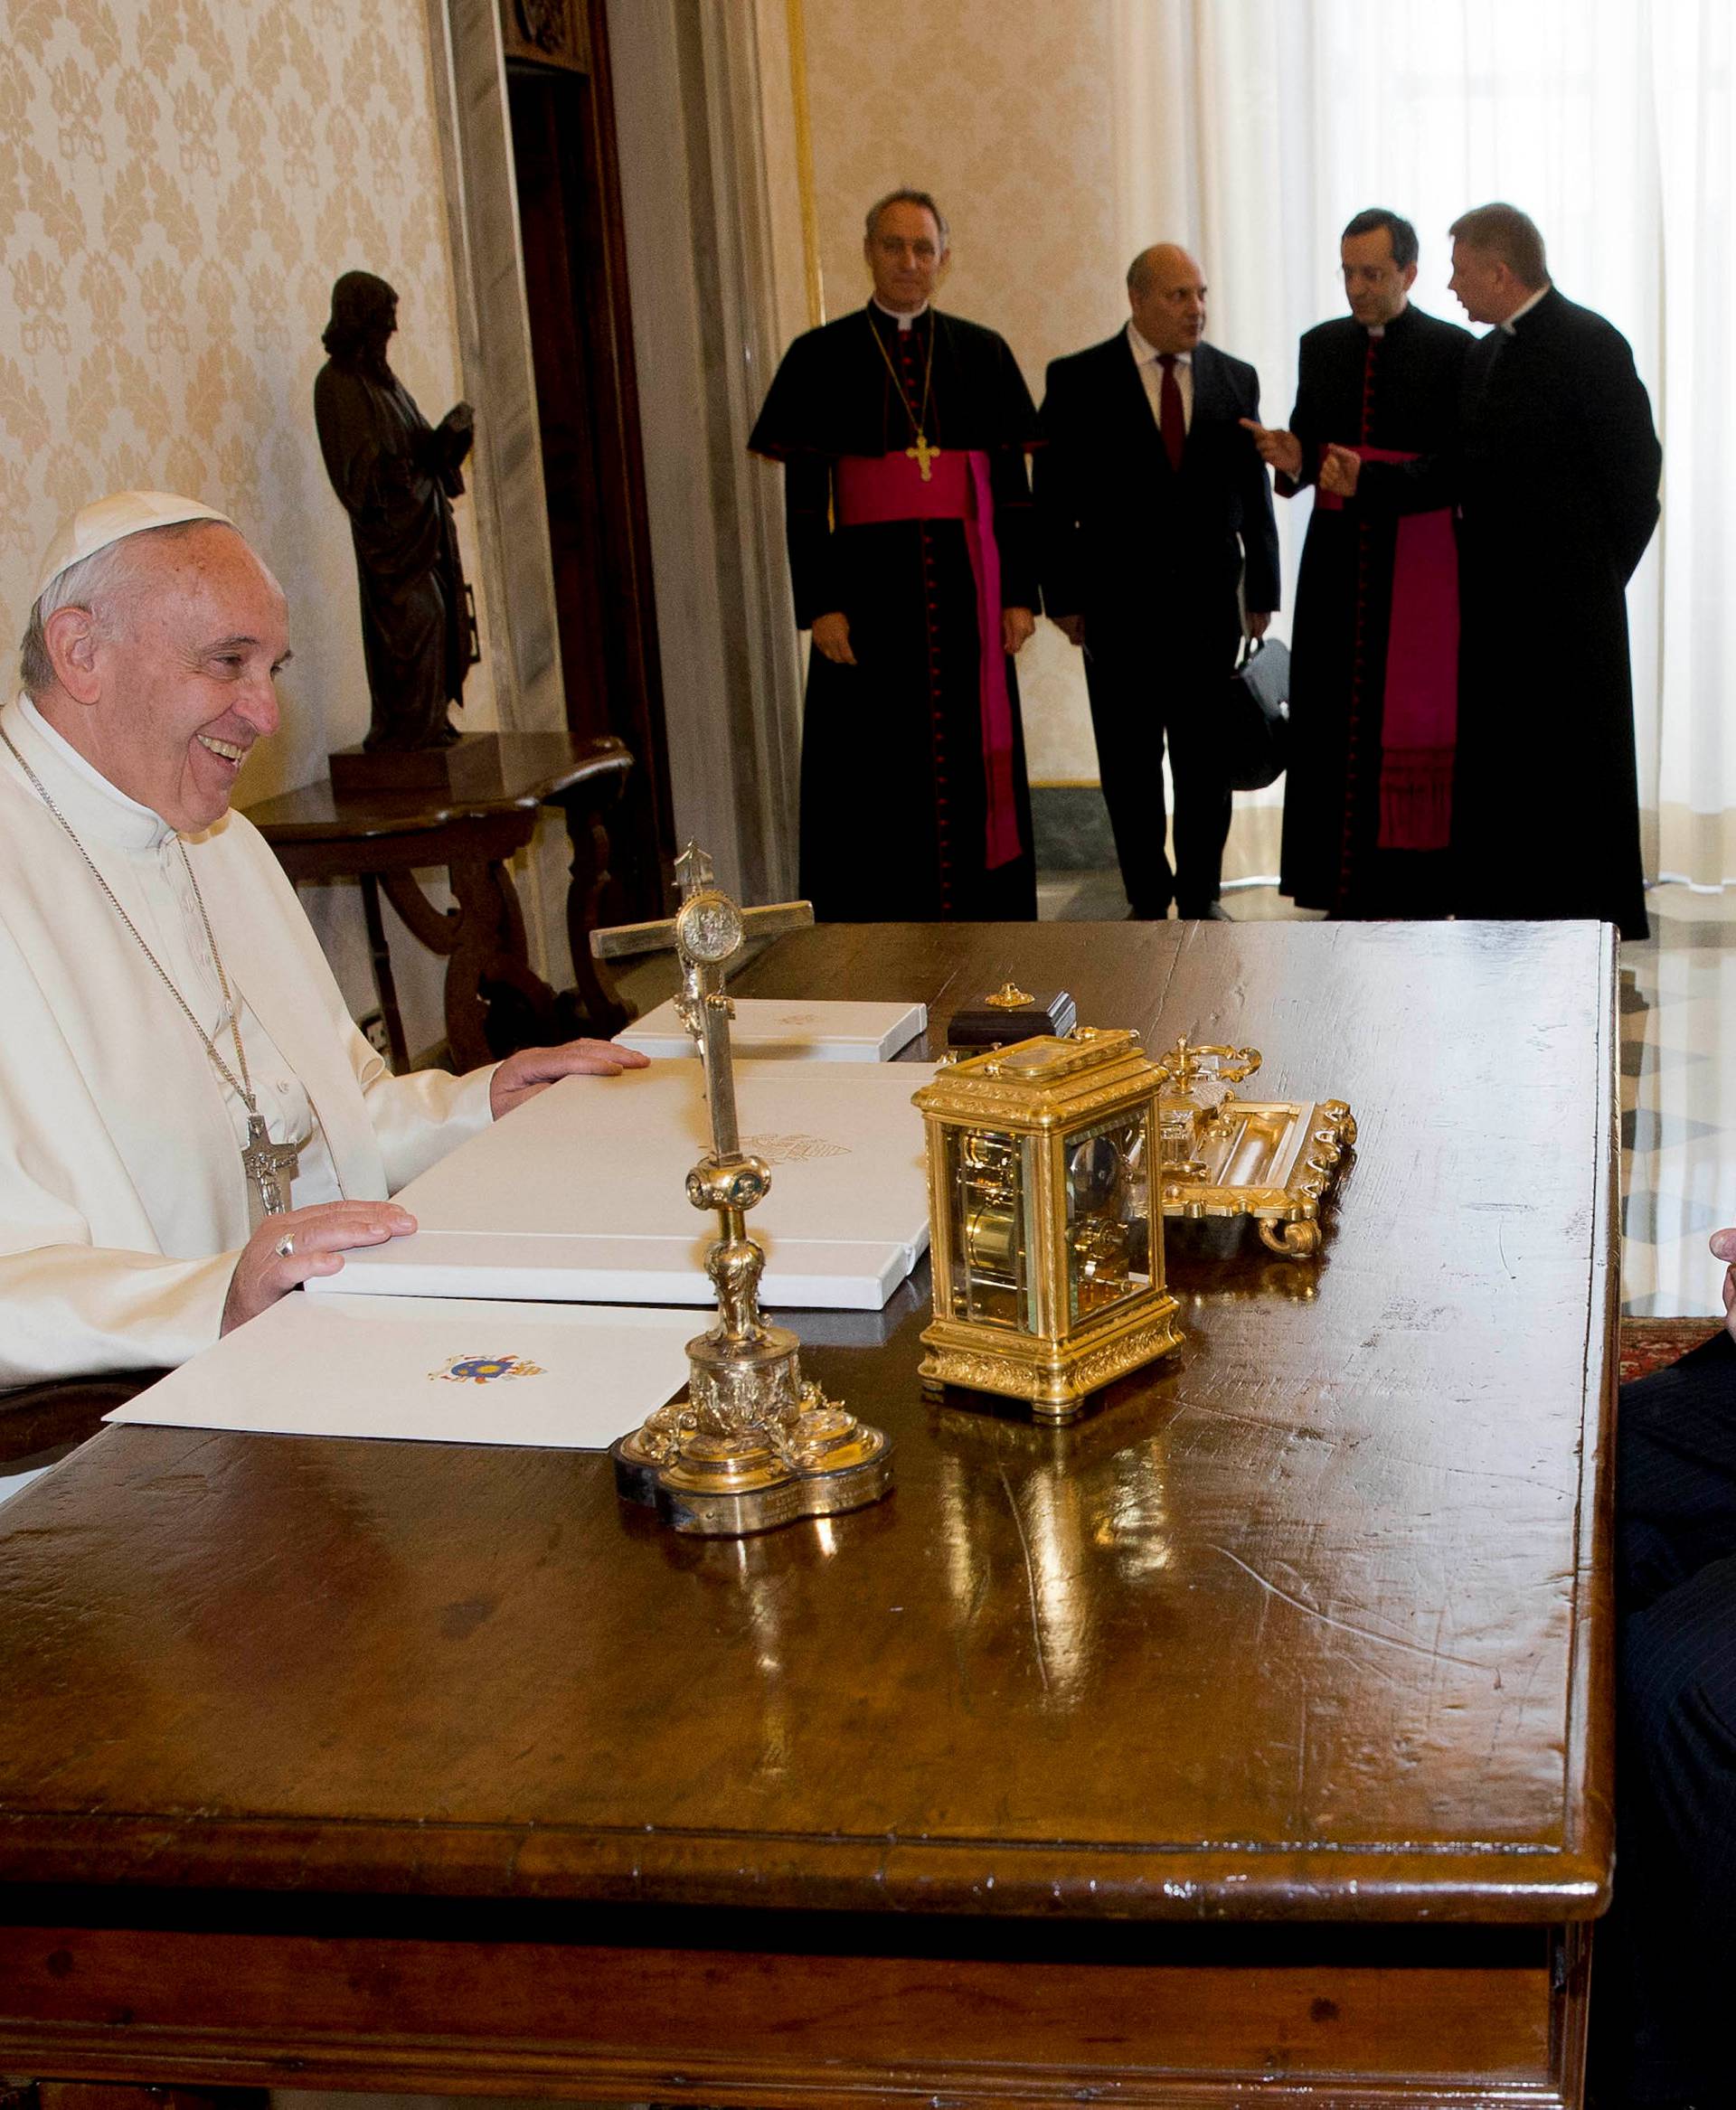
<point>383,839</point>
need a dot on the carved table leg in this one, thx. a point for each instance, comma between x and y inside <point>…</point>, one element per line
<point>385,984</point>
<point>603,1009</point>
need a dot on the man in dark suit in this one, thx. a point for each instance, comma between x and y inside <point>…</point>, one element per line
<point>1154,515</point>
<point>1556,474</point>
<point>1663,1958</point>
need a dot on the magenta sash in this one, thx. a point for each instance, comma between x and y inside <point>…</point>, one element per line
<point>873,488</point>
<point>1420,704</point>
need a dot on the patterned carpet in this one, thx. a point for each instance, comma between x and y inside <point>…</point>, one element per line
<point>1648,1344</point>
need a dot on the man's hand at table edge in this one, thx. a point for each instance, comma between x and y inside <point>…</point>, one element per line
<point>533,1070</point>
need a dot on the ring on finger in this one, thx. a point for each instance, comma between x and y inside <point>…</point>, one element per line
<point>285,1246</point>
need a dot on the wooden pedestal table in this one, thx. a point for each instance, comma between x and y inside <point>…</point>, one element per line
<point>1248,1740</point>
<point>384,838</point>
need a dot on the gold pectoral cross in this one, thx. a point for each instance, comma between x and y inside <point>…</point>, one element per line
<point>922,454</point>
<point>272,1167</point>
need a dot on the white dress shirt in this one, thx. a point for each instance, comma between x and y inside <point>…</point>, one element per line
<point>1146,357</point>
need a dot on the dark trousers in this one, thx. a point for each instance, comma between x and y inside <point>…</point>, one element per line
<point>1663,1961</point>
<point>1166,686</point>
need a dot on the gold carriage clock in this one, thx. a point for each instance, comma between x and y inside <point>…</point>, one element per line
<point>1046,1236</point>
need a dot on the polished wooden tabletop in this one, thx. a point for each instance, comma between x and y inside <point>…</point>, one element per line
<point>529,769</point>
<point>1302,1624</point>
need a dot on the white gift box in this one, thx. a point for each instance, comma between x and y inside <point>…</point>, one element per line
<point>782,1030</point>
<point>580,1194</point>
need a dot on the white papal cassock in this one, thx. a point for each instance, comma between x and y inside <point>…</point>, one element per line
<point>123,1204</point>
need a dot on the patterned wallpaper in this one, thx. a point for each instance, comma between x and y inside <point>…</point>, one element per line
<point>180,181</point>
<point>1003,109</point>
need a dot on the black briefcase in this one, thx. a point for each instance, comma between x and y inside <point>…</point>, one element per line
<point>1257,717</point>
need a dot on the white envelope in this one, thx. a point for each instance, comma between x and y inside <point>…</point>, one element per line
<point>782,1028</point>
<point>581,1193</point>
<point>431,1370</point>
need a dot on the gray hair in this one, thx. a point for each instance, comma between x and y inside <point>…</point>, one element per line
<point>101,582</point>
<point>905,196</point>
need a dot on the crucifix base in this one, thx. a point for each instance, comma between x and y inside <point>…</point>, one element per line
<point>752,1446</point>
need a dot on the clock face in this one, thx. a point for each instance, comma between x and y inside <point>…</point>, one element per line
<point>708,927</point>
<point>1093,1168</point>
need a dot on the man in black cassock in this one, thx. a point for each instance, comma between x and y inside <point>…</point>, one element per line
<point>902,434</point>
<point>1367,803</point>
<point>1556,474</point>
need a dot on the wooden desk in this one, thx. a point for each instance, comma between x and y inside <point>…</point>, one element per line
<point>385,838</point>
<point>1248,1740</point>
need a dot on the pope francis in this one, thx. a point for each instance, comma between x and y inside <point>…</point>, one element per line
<point>189,1123</point>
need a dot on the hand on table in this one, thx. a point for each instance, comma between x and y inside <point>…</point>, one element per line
<point>1016,627</point>
<point>1340,470</point>
<point>831,635</point>
<point>316,1238</point>
<point>533,1070</point>
<point>1723,1248</point>
<point>1277,449</point>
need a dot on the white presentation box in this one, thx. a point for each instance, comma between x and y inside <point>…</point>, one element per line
<point>772,1029</point>
<point>579,1195</point>
<point>431,1370</point>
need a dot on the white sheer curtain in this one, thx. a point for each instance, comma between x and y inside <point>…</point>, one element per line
<point>1254,129</point>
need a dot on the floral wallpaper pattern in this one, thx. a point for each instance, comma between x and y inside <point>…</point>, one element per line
<point>179,182</point>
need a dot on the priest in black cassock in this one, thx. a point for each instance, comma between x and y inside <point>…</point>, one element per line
<point>902,434</point>
<point>1555,473</point>
<point>1373,685</point>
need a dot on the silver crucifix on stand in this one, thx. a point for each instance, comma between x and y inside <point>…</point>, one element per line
<point>753,1444</point>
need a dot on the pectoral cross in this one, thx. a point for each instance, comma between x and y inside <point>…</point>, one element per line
<point>272,1167</point>
<point>922,454</point>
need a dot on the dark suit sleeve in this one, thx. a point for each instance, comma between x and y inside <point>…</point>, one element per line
<point>1626,458</point>
<point>1015,525</point>
<point>1308,422</point>
<point>1057,496</point>
<point>1260,588</point>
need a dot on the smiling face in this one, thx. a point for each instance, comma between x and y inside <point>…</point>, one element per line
<point>165,683</point>
<point>1375,286</point>
<point>905,255</point>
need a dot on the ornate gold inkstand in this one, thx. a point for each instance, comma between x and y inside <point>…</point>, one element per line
<point>753,1444</point>
<point>1274,1160</point>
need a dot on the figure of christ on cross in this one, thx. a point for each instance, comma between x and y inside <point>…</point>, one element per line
<point>272,1167</point>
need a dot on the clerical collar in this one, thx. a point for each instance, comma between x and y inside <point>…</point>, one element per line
<point>1144,352</point>
<point>896,315</point>
<point>1506,328</point>
<point>98,811</point>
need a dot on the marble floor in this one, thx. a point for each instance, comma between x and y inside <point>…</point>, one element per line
<point>1678,1118</point>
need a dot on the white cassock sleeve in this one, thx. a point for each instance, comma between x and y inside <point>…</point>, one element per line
<point>122,1207</point>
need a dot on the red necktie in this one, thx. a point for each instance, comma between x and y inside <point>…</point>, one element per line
<point>1171,420</point>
